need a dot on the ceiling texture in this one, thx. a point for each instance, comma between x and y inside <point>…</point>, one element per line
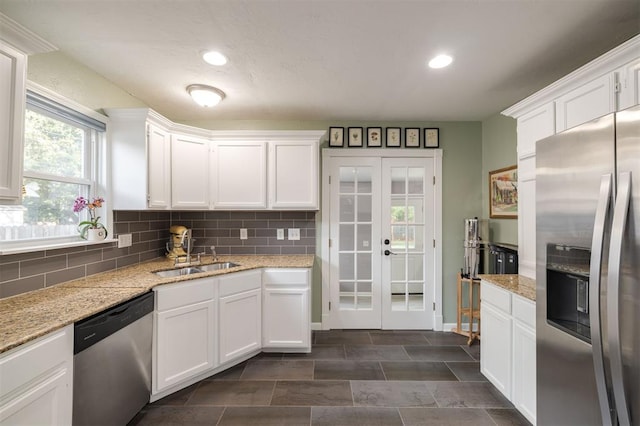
<point>328,59</point>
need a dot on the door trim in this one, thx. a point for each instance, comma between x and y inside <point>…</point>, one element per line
<point>327,155</point>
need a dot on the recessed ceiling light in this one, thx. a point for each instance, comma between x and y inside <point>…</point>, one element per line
<point>214,58</point>
<point>440,61</point>
<point>205,96</point>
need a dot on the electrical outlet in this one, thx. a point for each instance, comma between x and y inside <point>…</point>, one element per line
<point>280,234</point>
<point>294,234</point>
<point>243,233</point>
<point>124,240</point>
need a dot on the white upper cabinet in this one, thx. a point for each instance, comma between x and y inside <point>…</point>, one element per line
<point>592,100</point>
<point>293,175</point>
<point>629,85</point>
<point>13,68</point>
<point>159,166</point>
<point>607,84</point>
<point>189,172</point>
<point>140,151</point>
<point>239,175</point>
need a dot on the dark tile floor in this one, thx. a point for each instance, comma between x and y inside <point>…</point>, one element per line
<point>352,377</point>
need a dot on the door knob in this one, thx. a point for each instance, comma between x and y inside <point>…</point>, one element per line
<point>386,242</point>
<point>388,252</point>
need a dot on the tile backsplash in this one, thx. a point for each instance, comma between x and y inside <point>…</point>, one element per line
<point>24,272</point>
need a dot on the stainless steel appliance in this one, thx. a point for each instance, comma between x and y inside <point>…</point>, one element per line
<point>503,258</point>
<point>112,363</point>
<point>588,273</point>
<point>474,231</point>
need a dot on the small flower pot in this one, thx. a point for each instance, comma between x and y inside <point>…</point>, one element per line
<point>96,234</point>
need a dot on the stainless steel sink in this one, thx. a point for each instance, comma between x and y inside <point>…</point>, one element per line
<point>179,272</point>
<point>218,266</point>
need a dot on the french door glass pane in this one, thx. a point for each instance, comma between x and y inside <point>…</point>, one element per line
<point>416,180</point>
<point>355,234</point>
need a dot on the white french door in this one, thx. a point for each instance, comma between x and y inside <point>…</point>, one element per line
<point>381,253</point>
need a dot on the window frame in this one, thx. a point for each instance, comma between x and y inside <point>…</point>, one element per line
<point>97,160</point>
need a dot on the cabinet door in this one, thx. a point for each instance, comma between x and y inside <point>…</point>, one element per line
<point>495,351</point>
<point>12,103</point>
<point>524,370</point>
<point>286,321</point>
<point>185,339</point>
<point>46,403</point>
<point>629,80</point>
<point>240,324</point>
<point>159,167</point>
<point>189,172</point>
<point>293,175</point>
<point>585,103</point>
<point>239,175</point>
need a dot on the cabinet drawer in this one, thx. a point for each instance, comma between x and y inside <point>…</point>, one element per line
<point>524,310</point>
<point>498,297</point>
<point>285,276</point>
<point>35,359</point>
<point>184,293</point>
<point>239,282</point>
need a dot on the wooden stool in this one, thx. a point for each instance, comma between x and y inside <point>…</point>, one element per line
<point>468,311</point>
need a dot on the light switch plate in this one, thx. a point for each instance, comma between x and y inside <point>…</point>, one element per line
<point>243,233</point>
<point>294,234</point>
<point>280,234</point>
<point>124,240</point>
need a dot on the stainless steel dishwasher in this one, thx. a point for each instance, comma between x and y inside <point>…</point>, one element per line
<point>112,363</point>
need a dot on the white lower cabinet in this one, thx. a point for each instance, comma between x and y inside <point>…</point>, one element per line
<point>240,314</point>
<point>36,381</point>
<point>184,332</point>
<point>508,349</point>
<point>286,315</point>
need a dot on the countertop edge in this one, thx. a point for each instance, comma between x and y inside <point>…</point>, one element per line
<point>517,284</point>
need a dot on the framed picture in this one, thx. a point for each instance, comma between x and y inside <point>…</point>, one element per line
<point>336,136</point>
<point>432,137</point>
<point>411,137</point>
<point>393,139</point>
<point>503,193</point>
<point>355,136</point>
<point>374,136</point>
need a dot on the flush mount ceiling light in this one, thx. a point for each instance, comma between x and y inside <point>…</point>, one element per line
<point>440,61</point>
<point>214,58</point>
<point>205,96</point>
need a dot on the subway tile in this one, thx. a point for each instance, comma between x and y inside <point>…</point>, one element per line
<point>293,215</point>
<point>214,215</point>
<point>149,255</point>
<point>268,215</point>
<point>104,266</point>
<point>243,215</point>
<point>268,250</point>
<point>230,224</point>
<point>218,233</point>
<point>294,250</point>
<point>203,224</point>
<point>82,258</point>
<point>189,215</point>
<point>126,216</point>
<point>114,252</point>
<point>281,224</point>
<point>231,241</point>
<point>133,259</point>
<point>9,271</point>
<point>242,250</point>
<point>22,285</point>
<point>139,247</point>
<point>256,241</point>
<point>148,236</point>
<point>10,258</point>
<point>42,266</point>
<point>255,224</point>
<point>121,228</point>
<point>62,251</point>
<point>138,226</point>
<point>57,277</point>
<point>160,226</point>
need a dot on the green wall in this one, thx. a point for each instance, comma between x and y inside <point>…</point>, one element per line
<point>464,156</point>
<point>498,151</point>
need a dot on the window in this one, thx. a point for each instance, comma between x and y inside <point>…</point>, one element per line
<point>62,160</point>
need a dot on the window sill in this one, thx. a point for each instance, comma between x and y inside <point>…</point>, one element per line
<point>17,248</point>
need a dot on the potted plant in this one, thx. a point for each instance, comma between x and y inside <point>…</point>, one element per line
<point>92,229</point>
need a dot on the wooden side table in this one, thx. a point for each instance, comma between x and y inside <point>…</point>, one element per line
<point>470,311</point>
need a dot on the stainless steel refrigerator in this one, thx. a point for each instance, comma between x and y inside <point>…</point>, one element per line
<point>588,273</point>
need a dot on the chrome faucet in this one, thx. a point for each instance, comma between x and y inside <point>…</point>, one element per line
<point>186,242</point>
<point>214,254</point>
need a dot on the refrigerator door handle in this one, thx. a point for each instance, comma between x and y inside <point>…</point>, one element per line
<point>618,227</point>
<point>595,273</point>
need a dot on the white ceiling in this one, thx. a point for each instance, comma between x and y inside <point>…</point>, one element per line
<point>329,59</point>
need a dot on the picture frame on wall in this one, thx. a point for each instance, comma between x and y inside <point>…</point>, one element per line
<point>412,137</point>
<point>432,137</point>
<point>393,137</point>
<point>355,136</point>
<point>336,136</point>
<point>503,193</point>
<point>374,136</point>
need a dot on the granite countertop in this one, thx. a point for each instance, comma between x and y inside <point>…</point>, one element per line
<point>518,284</point>
<point>31,315</point>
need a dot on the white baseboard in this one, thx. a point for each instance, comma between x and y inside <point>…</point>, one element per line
<point>316,326</point>
<point>449,326</point>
